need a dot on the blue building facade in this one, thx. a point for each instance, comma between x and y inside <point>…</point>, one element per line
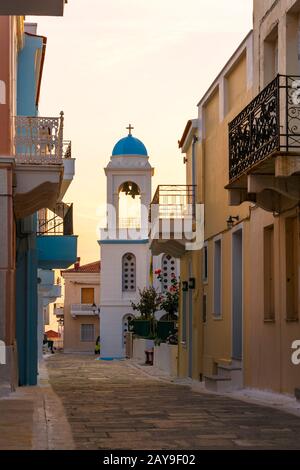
<point>29,74</point>
<point>35,251</point>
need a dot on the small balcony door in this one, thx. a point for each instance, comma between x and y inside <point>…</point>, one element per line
<point>87,295</point>
<point>237,295</point>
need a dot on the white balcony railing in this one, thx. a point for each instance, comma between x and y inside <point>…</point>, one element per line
<point>59,310</point>
<point>40,140</point>
<point>84,309</point>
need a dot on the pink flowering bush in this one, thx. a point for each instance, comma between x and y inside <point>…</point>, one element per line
<point>170,298</point>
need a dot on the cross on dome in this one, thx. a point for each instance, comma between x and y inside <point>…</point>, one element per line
<point>130,128</point>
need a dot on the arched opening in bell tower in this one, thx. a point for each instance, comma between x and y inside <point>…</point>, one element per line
<point>129,205</point>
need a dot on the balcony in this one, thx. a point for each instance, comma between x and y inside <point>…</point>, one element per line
<point>57,246</point>
<point>44,163</point>
<point>59,221</point>
<point>173,220</point>
<point>84,310</point>
<point>33,7</point>
<point>58,310</point>
<point>47,287</point>
<point>264,148</point>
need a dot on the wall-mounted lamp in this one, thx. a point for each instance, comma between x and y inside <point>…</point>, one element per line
<point>231,219</point>
<point>192,283</point>
<point>96,310</point>
<point>185,286</point>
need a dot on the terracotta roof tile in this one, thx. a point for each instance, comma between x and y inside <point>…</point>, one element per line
<point>85,268</point>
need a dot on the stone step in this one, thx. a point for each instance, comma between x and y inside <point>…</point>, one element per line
<point>216,378</point>
<point>226,370</point>
<point>5,390</point>
<point>229,367</point>
<point>217,383</point>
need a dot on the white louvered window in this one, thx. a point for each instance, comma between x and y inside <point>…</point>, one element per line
<point>168,269</point>
<point>128,273</point>
<point>87,333</point>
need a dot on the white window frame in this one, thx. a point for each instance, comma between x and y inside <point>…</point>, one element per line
<point>81,331</point>
<point>217,314</point>
<point>205,265</point>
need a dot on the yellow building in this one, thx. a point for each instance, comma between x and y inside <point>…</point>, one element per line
<point>239,308</point>
<point>211,328</point>
<point>264,156</point>
<point>81,308</point>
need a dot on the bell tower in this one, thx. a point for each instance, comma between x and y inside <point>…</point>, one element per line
<point>129,176</point>
<point>124,250</point>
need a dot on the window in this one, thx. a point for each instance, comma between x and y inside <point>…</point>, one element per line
<point>205,263</point>
<point>292,276</point>
<point>46,316</point>
<point>271,56</point>
<point>184,307</point>
<point>204,308</point>
<point>87,295</point>
<point>269,303</point>
<point>168,269</point>
<point>87,333</point>
<point>128,273</point>
<point>217,277</point>
<point>130,211</point>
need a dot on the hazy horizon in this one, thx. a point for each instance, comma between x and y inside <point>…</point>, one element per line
<point>129,61</point>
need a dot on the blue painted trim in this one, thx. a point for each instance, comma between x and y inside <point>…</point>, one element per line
<point>56,251</point>
<point>123,242</point>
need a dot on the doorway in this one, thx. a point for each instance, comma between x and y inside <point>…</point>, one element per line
<point>237,295</point>
<point>190,329</point>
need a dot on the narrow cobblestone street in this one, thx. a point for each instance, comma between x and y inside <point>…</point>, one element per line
<point>113,405</point>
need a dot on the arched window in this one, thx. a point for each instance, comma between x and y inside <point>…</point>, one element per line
<point>128,273</point>
<point>129,205</point>
<point>167,269</point>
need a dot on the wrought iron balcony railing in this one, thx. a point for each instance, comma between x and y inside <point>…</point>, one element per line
<point>269,124</point>
<point>56,222</point>
<point>173,202</point>
<point>40,140</point>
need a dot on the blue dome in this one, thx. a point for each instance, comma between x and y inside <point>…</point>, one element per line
<point>129,146</point>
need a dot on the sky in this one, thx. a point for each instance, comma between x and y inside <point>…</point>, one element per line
<point>148,63</point>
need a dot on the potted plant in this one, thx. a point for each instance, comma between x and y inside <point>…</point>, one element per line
<point>169,301</point>
<point>147,306</point>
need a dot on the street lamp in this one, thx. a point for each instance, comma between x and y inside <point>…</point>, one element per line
<point>231,219</point>
<point>96,310</point>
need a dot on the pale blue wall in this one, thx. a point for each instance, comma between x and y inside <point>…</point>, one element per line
<point>26,259</point>
<point>27,86</point>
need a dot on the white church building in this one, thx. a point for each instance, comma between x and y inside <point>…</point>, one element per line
<point>126,262</point>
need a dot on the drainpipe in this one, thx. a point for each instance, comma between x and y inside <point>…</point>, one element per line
<point>195,140</point>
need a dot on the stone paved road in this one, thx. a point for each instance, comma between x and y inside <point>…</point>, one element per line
<point>112,405</point>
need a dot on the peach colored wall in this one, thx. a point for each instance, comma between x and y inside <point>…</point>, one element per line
<point>8,55</point>
<point>8,71</point>
<point>269,350</point>
<point>73,285</point>
<point>213,340</point>
<point>197,332</point>
<point>214,150</point>
<point>268,345</point>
